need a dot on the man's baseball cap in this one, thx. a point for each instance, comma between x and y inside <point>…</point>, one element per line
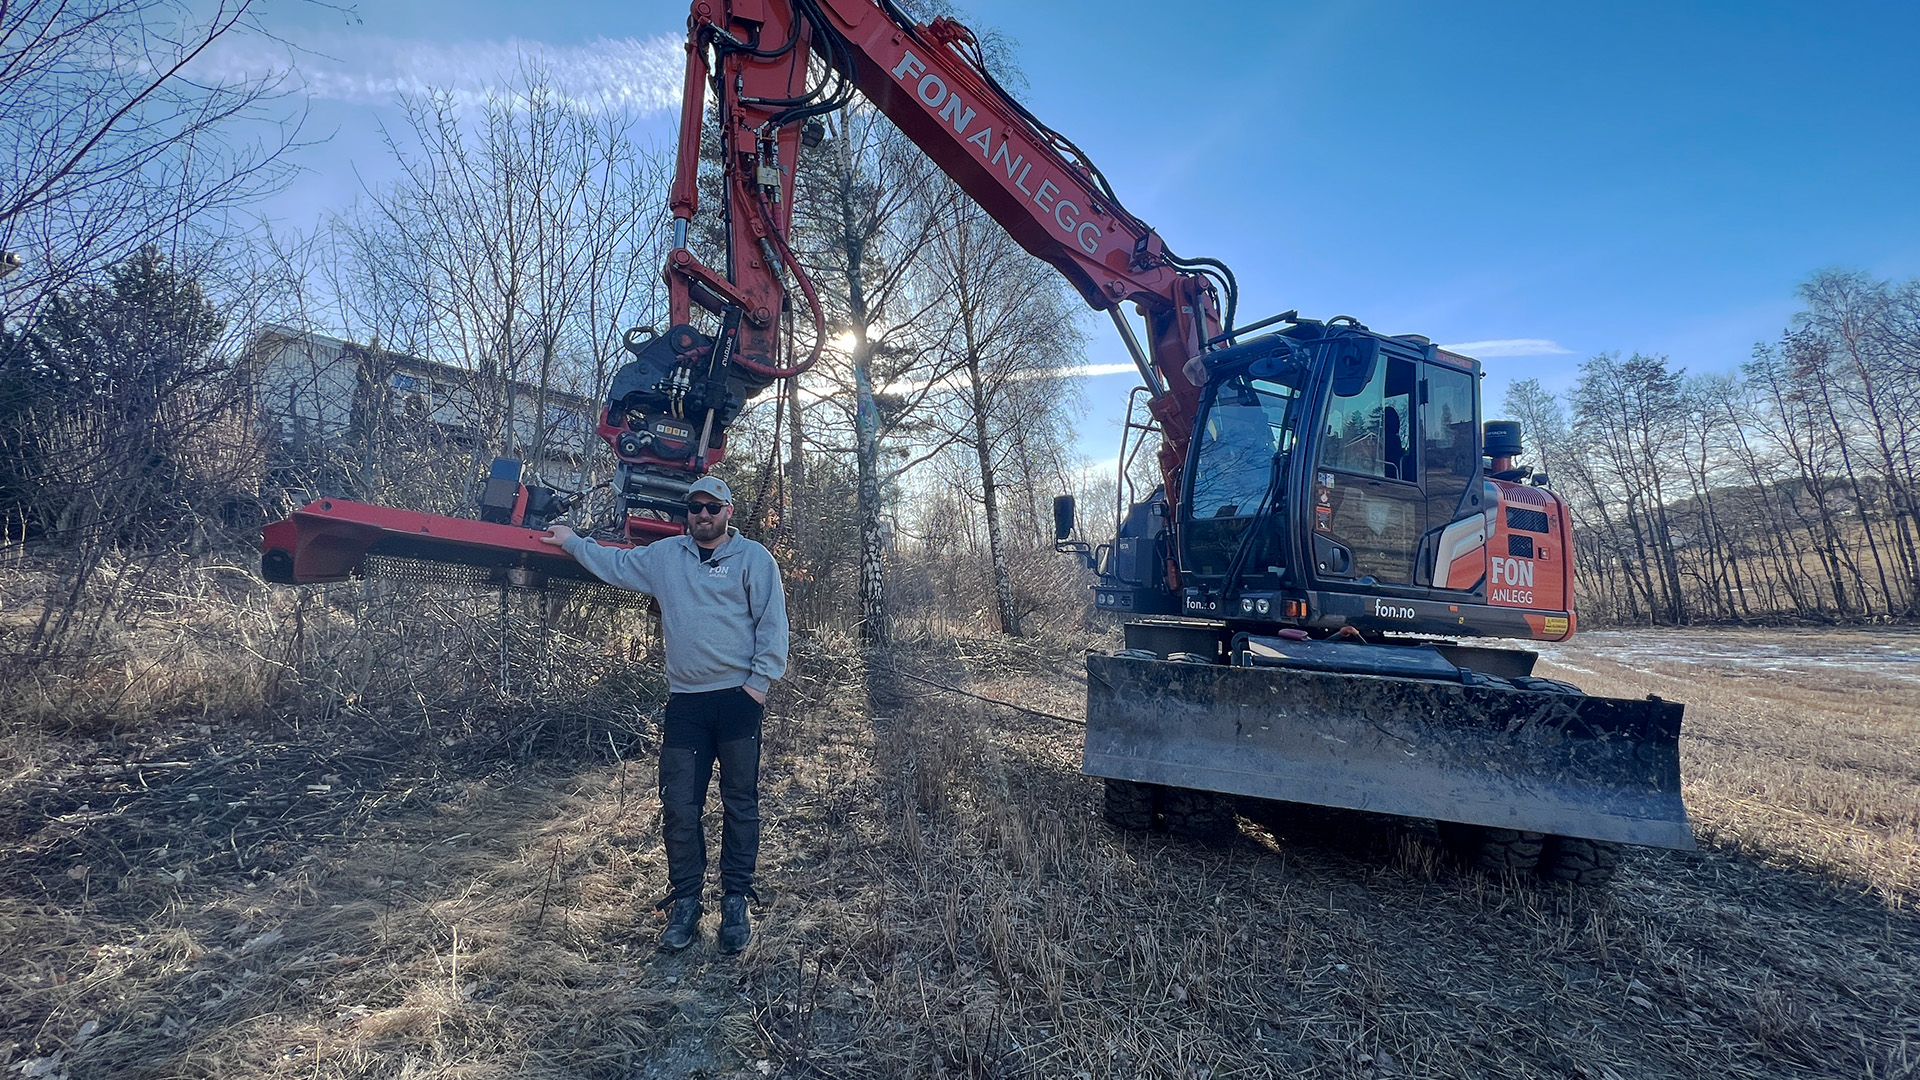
<point>711,485</point>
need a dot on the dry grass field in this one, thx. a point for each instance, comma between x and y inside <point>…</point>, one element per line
<point>360,895</point>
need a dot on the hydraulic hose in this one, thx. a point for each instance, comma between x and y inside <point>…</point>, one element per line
<point>806,289</point>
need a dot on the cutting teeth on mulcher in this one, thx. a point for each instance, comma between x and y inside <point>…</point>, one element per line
<point>455,575</point>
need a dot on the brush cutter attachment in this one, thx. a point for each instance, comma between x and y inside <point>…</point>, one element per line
<point>1397,730</point>
<point>336,539</point>
<point>333,540</point>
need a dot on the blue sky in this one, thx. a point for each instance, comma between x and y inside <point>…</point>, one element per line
<point>1625,176</point>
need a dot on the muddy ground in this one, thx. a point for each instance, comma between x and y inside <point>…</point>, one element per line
<point>361,897</point>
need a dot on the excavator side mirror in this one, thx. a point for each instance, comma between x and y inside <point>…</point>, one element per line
<point>1353,367</point>
<point>1063,533</point>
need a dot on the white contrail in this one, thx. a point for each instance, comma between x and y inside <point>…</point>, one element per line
<point>1525,346</point>
<point>1093,370</point>
<point>640,76</point>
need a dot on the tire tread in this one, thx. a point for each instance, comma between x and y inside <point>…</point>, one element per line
<point>1579,861</point>
<point>1491,850</point>
<point>1197,815</point>
<point>1130,806</point>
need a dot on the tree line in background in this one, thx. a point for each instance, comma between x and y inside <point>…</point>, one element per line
<point>1790,490</point>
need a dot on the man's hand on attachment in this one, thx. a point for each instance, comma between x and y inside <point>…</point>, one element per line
<point>558,535</point>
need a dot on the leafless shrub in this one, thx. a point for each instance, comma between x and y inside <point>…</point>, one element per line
<point>125,429</point>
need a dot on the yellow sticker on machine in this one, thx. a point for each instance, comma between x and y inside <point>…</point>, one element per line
<point>1554,624</point>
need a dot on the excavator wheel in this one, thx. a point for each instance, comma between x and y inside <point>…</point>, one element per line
<point>1579,861</point>
<point>1491,850</point>
<point>1204,816</point>
<point>1572,859</point>
<point>1513,851</point>
<point>1131,807</point>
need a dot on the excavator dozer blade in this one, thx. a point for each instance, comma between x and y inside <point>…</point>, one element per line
<point>1601,768</point>
<point>332,539</point>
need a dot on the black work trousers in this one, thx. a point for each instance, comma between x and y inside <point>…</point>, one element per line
<point>701,729</point>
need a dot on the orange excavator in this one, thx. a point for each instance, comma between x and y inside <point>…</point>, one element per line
<point>1335,527</point>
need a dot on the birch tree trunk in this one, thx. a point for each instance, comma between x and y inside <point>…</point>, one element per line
<point>874,628</point>
<point>990,501</point>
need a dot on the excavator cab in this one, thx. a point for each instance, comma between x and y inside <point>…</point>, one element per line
<point>1338,531</point>
<point>1336,479</point>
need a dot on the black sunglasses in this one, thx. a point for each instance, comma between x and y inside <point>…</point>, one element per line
<point>704,508</point>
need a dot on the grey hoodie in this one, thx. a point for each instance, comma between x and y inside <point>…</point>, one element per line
<point>725,618</point>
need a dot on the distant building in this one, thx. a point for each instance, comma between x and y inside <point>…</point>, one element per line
<point>320,394</point>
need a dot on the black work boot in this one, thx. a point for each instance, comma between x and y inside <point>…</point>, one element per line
<point>683,924</point>
<point>734,930</point>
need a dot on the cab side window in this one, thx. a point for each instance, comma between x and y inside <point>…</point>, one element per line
<point>1450,438</point>
<point>1371,430</point>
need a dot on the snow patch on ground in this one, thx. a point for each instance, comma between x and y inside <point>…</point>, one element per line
<point>1890,654</point>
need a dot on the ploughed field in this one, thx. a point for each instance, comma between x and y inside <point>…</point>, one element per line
<point>362,897</point>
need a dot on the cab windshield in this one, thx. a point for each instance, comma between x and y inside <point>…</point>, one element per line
<point>1244,430</point>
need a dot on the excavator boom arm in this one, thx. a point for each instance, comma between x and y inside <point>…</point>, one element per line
<point>932,82</point>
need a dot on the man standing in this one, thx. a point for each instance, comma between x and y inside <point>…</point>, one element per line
<point>724,614</point>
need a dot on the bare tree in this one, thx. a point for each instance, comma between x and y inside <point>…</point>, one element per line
<point>1850,343</point>
<point>1626,411</point>
<point>520,241</point>
<point>1793,433</point>
<point>110,144</point>
<point>1758,487</point>
<point>855,225</point>
<point>1007,325</point>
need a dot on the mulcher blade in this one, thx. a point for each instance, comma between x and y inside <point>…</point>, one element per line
<point>332,540</point>
<point>1602,768</point>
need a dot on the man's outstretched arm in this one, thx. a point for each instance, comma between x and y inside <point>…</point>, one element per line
<point>625,567</point>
